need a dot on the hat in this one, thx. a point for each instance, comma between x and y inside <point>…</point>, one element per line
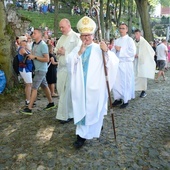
<point>22,38</point>
<point>86,26</point>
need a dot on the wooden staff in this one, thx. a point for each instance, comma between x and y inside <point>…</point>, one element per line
<point>95,8</point>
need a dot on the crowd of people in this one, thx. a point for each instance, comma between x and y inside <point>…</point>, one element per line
<point>74,67</point>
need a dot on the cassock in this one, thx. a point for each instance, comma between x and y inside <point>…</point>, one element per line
<point>124,87</point>
<point>88,88</point>
<point>69,42</point>
<point>144,65</point>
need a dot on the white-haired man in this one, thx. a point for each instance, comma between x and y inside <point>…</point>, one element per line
<point>67,42</point>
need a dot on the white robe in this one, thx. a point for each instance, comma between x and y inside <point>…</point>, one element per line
<point>124,88</point>
<point>91,102</point>
<point>144,65</point>
<point>69,42</point>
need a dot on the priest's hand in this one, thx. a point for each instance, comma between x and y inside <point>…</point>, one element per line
<point>61,51</point>
<point>118,48</point>
<point>136,56</point>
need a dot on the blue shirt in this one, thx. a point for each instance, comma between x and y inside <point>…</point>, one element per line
<point>28,63</point>
<point>39,49</point>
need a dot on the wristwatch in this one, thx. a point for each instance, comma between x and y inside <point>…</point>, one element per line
<point>35,58</point>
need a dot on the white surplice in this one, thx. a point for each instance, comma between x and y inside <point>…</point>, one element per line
<point>144,65</point>
<point>125,85</point>
<point>90,102</point>
<point>68,42</point>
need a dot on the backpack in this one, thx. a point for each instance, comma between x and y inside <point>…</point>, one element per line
<point>2,81</point>
<point>15,64</point>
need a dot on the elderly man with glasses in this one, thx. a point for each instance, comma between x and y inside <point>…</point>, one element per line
<point>88,82</point>
<point>124,90</point>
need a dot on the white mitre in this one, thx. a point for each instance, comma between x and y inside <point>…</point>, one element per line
<point>86,25</point>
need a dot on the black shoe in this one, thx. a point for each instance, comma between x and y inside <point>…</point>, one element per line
<point>143,94</point>
<point>79,142</point>
<point>124,105</point>
<point>66,121</point>
<point>116,102</point>
<point>50,106</point>
<point>26,111</point>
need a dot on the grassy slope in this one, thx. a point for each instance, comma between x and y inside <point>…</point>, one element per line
<point>39,19</point>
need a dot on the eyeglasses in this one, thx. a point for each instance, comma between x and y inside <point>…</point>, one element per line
<point>122,28</point>
<point>88,35</point>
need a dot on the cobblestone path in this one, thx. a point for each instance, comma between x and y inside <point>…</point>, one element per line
<point>40,142</point>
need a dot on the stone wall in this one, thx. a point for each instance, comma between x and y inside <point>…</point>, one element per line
<point>12,25</point>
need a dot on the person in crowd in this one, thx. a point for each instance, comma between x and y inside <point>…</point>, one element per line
<point>17,43</point>
<point>168,54</point>
<point>65,45</point>
<point>144,64</point>
<point>51,75</point>
<point>162,54</point>
<point>153,45</point>
<point>111,45</point>
<point>25,67</point>
<point>40,55</point>
<point>29,43</point>
<point>125,51</point>
<point>88,82</point>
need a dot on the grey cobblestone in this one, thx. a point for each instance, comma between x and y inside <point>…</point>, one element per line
<point>39,142</point>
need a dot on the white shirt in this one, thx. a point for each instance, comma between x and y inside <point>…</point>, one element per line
<point>161,51</point>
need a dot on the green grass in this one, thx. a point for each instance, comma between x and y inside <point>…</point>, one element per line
<point>38,19</point>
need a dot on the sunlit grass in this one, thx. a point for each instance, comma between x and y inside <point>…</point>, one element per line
<point>39,19</point>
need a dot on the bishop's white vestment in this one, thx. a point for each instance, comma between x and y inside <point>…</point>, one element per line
<point>88,88</point>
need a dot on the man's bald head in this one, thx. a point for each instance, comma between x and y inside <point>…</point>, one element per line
<point>65,26</point>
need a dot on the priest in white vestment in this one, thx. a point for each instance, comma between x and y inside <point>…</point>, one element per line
<point>144,64</point>
<point>88,82</point>
<point>124,89</point>
<point>67,42</point>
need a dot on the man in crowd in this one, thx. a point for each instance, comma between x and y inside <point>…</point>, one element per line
<point>144,64</point>
<point>162,54</point>
<point>40,56</point>
<point>65,45</point>
<point>88,84</point>
<point>125,50</point>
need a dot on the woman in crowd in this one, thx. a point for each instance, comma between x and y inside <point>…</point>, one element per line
<point>52,72</point>
<point>25,67</point>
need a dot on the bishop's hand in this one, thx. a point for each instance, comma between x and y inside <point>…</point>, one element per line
<point>82,48</point>
<point>103,46</point>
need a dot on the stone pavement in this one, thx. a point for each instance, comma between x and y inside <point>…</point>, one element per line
<point>39,142</point>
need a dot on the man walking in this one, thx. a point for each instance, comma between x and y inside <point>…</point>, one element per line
<point>125,50</point>
<point>40,56</point>
<point>65,45</point>
<point>162,54</point>
<point>144,64</point>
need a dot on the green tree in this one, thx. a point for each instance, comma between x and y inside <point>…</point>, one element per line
<point>56,20</point>
<point>143,7</point>
<point>5,46</point>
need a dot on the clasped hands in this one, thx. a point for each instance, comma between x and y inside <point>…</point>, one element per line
<point>61,51</point>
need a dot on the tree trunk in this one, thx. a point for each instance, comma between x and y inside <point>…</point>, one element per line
<point>6,56</point>
<point>56,20</point>
<point>130,15</point>
<point>143,8</point>
<point>107,34</point>
<point>102,18</point>
<point>118,12</point>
